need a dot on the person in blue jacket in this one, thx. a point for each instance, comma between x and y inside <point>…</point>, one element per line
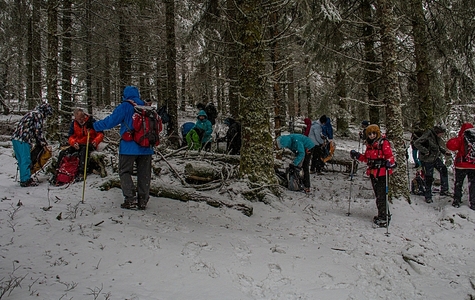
<point>129,152</point>
<point>203,123</point>
<point>302,147</point>
<point>327,128</point>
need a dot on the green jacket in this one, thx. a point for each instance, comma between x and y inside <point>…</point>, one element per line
<point>430,146</point>
<point>193,138</point>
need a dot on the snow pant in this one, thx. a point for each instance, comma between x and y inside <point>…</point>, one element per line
<point>317,155</point>
<point>379,188</point>
<point>23,157</point>
<point>428,168</point>
<point>305,164</point>
<point>459,178</point>
<point>81,153</point>
<point>144,175</point>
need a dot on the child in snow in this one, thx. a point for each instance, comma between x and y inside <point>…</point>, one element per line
<point>380,161</point>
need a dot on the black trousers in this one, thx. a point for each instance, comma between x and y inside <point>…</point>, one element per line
<point>460,175</point>
<point>305,164</point>
<point>428,168</point>
<point>379,188</point>
<point>317,155</point>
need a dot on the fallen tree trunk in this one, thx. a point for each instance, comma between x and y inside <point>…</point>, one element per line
<point>186,194</point>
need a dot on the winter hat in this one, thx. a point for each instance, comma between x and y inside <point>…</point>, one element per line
<point>373,128</point>
<point>365,123</point>
<point>323,119</point>
<point>440,129</point>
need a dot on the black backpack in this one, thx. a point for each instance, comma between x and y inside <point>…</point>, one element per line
<point>469,145</point>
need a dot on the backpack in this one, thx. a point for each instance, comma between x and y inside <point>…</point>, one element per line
<point>68,169</point>
<point>469,145</point>
<point>294,179</point>
<point>39,158</point>
<point>418,185</point>
<point>146,126</point>
<point>211,112</point>
<point>329,150</point>
<point>163,113</point>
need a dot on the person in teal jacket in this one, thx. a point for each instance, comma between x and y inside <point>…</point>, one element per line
<point>129,152</point>
<point>301,146</point>
<point>203,123</point>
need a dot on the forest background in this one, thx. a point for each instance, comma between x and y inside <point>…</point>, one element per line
<point>401,64</point>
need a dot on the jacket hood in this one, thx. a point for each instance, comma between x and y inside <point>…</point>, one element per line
<point>464,127</point>
<point>202,113</point>
<point>45,109</point>
<point>132,93</point>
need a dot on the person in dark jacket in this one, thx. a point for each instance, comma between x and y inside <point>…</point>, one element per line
<point>327,128</point>
<point>430,148</point>
<point>78,136</point>
<point>463,168</point>
<point>233,136</point>
<point>29,132</point>
<point>301,146</point>
<point>380,161</point>
<point>129,152</point>
<point>318,151</point>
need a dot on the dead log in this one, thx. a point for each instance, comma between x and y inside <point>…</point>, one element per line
<point>186,194</point>
<point>201,172</point>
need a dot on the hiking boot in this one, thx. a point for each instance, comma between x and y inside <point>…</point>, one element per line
<point>428,200</point>
<point>142,205</point>
<point>456,204</point>
<point>29,182</point>
<point>129,205</point>
<point>381,221</point>
<point>306,190</point>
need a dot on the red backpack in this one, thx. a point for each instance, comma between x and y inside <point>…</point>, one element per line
<point>146,126</point>
<point>68,169</point>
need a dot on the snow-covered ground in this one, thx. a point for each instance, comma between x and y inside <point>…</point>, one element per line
<point>300,247</point>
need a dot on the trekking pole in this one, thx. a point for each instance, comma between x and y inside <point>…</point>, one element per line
<point>351,186</point>
<point>85,167</point>
<point>387,201</point>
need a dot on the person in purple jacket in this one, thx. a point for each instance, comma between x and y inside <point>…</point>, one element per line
<point>129,152</point>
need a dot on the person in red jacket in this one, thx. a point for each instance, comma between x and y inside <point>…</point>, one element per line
<point>379,159</point>
<point>78,140</point>
<point>463,168</point>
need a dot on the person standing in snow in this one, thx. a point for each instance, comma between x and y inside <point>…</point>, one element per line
<point>417,133</point>
<point>430,148</point>
<point>130,152</point>
<point>29,132</point>
<point>380,161</point>
<point>302,147</point>
<point>318,152</point>
<point>464,166</point>
<point>327,128</point>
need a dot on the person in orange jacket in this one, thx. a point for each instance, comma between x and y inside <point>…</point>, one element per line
<point>464,166</point>
<point>380,161</point>
<point>78,136</point>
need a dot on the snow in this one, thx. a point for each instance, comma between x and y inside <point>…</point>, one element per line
<point>300,247</point>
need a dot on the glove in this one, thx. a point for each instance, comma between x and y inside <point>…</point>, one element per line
<point>390,165</point>
<point>89,124</point>
<point>354,154</point>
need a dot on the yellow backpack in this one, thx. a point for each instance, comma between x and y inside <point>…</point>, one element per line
<point>39,157</point>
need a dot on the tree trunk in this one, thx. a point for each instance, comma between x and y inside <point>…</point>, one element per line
<point>257,162</point>
<point>394,129</point>
<point>52,68</point>
<point>172,100</point>
<point>426,109</point>
<point>370,62</point>
<point>187,194</point>
<point>66,66</point>
<point>36,86</point>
